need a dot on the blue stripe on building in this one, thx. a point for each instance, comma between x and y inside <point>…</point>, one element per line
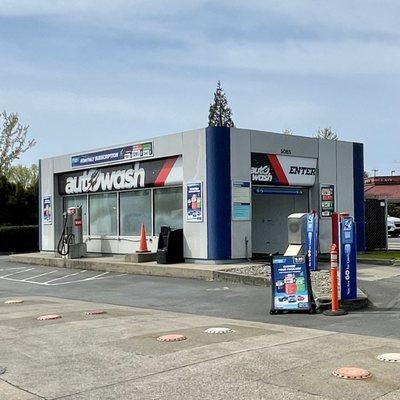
<point>40,204</point>
<point>358,184</point>
<point>218,171</point>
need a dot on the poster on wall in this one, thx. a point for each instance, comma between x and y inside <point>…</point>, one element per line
<point>241,204</point>
<point>290,284</point>
<point>132,152</point>
<point>194,202</point>
<point>46,211</point>
<point>327,200</point>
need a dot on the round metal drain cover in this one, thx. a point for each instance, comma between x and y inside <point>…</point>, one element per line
<point>351,373</point>
<point>2,370</point>
<point>219,330</point>
<point>14,301</point>
<point>48,317</point>
<point>95,312</point>
<point>389,357</point>
<point>171,338</point>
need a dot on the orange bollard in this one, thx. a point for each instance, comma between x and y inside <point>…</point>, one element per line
<point>143,242</point>
<point>335,310</point>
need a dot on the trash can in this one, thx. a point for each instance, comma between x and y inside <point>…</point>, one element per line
<point>170,246</point>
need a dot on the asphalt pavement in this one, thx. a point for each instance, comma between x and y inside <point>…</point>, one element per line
<point>394,243</point>
<point>214,299</point>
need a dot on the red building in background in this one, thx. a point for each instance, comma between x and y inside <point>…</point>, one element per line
<point>383,188</point>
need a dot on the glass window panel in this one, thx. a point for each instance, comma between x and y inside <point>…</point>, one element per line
<point>135,210</point>
<point>74,201</point>
<point>168,208</point>
<point>103,214</point>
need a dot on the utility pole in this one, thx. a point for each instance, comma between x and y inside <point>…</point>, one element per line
<point>375,171</point>
<point>392,172</point>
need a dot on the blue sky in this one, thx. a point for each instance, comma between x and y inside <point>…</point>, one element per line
<point>92,73</point>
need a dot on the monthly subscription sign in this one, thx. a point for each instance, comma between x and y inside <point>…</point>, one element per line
<point>290,282</point>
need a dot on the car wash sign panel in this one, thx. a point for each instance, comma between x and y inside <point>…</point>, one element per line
<point>160,172</point>
<point>132,152</point>
<point>273,169</point>
<point>290,284</point>
<point>348,259</point>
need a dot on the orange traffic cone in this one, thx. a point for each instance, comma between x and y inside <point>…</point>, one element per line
<point>143,243</point>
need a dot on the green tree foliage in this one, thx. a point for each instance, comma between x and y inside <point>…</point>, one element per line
<point>13,140</point>
<point>326,133</point>
<point>18,205</point>
<point>394,210</point>
<point>25,176</point>
<point>220,114</point>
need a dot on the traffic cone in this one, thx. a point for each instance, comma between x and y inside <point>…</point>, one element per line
<point>143,243</point>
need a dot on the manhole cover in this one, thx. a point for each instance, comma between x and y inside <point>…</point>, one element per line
<point>219,330</point>
<point>2,370</point>
<point>351,373</point>
<point>389,357</point>
<point>171,338</point>
<point>95,312</point>
<point>48,317</point>
<point>14,301</point>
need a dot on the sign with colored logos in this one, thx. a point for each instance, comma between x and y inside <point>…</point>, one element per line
<point>274,169</point>
<point>194,202</point>
<point>348,259</point>
<point>327,200</point>
<point>291,284</point>
<point>118,154</point>
<point>312,240</point>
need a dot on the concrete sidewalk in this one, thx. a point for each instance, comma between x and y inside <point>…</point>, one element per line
<point>116,356</point>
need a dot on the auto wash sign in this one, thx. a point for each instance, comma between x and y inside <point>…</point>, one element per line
<point>160,172</point>
<point>273,169</point>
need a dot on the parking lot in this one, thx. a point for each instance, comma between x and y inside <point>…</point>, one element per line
<point>394,243</point>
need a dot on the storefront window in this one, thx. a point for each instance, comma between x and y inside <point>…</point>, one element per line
<point>135,210</point>
<point>103,214</point>
<point>167,208</point>
<point>76,201</point>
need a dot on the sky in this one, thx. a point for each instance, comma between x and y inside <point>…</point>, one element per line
<point>90,73</point>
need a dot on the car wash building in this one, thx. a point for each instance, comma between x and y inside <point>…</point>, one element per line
<point>231,190</point>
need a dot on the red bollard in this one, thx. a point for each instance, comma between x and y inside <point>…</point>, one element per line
<point>335,310</point>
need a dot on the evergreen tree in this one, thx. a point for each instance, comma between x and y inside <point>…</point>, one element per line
<point>220,114</point>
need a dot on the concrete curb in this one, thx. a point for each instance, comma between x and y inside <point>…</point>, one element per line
<point>118,266</point>
<point>231,277</point>
<point>324,302</point>
<point>377,261</point>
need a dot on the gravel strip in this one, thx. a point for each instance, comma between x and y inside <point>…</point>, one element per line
<point>320,280</point>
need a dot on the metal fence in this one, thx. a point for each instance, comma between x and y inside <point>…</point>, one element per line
<point>376,237</point>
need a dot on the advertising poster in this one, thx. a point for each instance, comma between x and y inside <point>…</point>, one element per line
<point>327,200</point>
<point>348,260</point>
<point>290,283</point>
<point>133,152</point>
<point>312,240</point>
<point>194,202</point>
<point>241,204</point>
<point>47,212</point>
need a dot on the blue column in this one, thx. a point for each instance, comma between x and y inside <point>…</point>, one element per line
<point>358,184</point>
<point>218,168</point>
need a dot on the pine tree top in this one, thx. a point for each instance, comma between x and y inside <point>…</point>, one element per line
<point>220,114</point>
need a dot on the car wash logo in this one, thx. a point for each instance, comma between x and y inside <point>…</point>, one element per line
<point>261,174</point>
<point>95,180</point>
<point>160,172</point>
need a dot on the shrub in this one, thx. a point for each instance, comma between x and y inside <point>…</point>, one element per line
<point>19,239</point>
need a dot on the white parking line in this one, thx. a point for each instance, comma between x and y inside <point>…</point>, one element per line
<point>19,272</point>
<point>37,276</point>
<point>66,276</point>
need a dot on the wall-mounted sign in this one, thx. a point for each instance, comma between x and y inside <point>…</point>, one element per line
<point>194,202</point>
<point>47,211</point>
<point>160,172</point>
<point>273,169</point>
<point>290,284</point>
<point>132,152</point>
<point>327,200</point>
<point>241,204</point>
